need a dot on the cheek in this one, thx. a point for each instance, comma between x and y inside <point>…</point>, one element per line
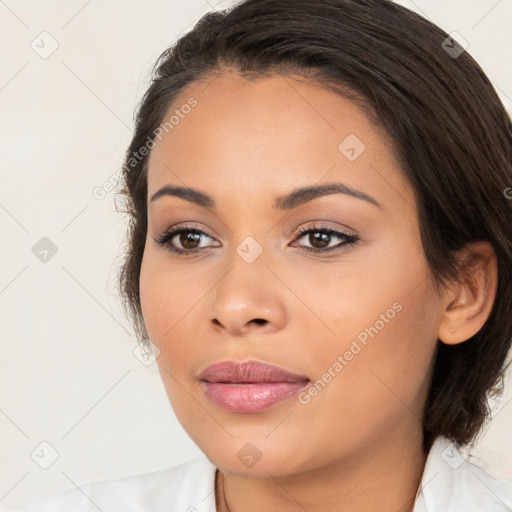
<point>379,326</point>
<point>151,286</point>
<point>170,305</point>
<point>373,375</point>
<point>369,294</point>
<point>166,295</point>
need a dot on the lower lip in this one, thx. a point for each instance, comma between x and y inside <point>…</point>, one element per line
<point>250,398</point>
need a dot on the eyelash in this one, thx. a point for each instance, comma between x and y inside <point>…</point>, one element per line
<point>349,240</point>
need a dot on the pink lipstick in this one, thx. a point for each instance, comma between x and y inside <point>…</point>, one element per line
<point>249,387</point>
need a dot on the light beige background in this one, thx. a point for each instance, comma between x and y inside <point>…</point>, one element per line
<point>68,374</point>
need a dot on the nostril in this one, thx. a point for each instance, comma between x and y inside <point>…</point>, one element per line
<point>259,321</point>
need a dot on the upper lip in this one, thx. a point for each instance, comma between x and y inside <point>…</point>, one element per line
<point>248,371</point>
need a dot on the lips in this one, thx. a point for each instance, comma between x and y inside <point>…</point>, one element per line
<point>249,387</point>
<point>250,371</point>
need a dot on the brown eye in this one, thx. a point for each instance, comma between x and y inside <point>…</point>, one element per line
<point>319,240</point>
<point>188,239</point>
<point>185,240</point>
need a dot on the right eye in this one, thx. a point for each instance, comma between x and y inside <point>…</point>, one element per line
<point>183,240</point>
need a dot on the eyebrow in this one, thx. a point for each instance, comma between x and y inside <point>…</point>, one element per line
<point>289,201</point>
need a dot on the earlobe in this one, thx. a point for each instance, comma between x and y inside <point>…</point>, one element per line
<point>469,302</point>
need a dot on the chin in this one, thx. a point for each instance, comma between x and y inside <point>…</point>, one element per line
<point>255,459</point>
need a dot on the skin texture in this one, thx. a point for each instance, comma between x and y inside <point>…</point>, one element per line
<point>356,445</point>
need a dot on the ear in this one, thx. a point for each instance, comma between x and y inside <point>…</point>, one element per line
<point>468,302</point>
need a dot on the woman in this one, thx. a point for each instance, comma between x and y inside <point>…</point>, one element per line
<point>320,251</point>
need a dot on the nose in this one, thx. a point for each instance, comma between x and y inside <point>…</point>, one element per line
<point>248,299</point>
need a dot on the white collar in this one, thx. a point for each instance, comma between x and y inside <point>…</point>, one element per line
<point>451,483</point>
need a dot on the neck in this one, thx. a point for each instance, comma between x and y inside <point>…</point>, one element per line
<point>383,477</point>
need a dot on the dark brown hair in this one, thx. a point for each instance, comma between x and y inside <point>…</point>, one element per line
<point>451,133</point>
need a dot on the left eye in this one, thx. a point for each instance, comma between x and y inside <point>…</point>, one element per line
<point>320,239</point>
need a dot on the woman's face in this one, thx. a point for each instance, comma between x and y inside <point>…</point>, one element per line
<point>358,318</point>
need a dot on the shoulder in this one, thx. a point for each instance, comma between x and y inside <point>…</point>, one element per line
<point>187,487</point>
<point>451,482</point>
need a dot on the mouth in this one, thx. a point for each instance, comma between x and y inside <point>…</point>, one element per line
<point>249,387</point>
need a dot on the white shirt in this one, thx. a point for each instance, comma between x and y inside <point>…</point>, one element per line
<point>449,483</point>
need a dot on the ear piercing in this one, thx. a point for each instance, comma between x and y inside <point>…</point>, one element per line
<point>452,331</point>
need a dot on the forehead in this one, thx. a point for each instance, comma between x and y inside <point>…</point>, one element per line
<point>269,133</point>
